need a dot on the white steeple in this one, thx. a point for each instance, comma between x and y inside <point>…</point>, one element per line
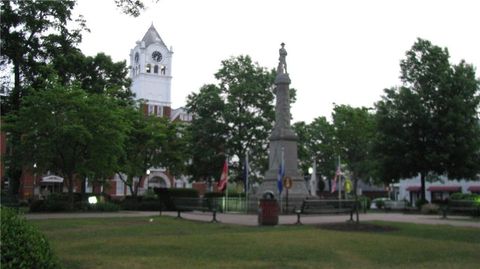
<point>151,72</point>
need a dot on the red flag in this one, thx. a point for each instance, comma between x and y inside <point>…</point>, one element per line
<point>222,183</point>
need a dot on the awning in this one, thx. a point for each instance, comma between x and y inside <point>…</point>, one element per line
<point>52,178</point>
<point>414,188</point>
<point>474,188</point>
<point>445,188</point>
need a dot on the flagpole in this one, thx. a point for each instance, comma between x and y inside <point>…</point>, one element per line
<point>339,187</point>
<point>246,180</point>
<point>283,175</point>
<point>226,186</point>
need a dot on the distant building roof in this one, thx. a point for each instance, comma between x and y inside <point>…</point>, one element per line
<point>413,188</point>
<point>445,188</point>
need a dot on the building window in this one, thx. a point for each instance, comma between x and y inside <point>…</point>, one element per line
<point>163,70</point>
<point>160,111</point>
<point>437,196</point>
<point>148,69</point>
<point>120,187</point>
<point>155,69</point>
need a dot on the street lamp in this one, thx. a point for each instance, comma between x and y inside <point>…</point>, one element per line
<point>148,173</point>
<point>34,179</point>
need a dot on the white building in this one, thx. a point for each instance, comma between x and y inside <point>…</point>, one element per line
<point>439,189</point>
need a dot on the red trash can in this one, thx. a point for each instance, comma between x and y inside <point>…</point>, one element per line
<point>268,211</point>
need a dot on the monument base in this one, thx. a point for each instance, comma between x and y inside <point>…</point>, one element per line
<point>289,198</point>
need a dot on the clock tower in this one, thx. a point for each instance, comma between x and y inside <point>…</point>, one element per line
<point>151,73</point>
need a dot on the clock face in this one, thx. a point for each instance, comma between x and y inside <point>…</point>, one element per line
<point>157,56</point>
<point>136,57</point>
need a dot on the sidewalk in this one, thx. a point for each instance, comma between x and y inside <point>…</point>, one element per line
<point>252,220</point>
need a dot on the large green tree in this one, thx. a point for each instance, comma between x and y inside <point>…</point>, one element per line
<point>354,137</point>
<point>430,124</point>
<point>249,110</point>
<point>69,132</point>
<point>238,114</point>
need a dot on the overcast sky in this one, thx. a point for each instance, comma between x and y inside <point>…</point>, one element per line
<point>343,52</point>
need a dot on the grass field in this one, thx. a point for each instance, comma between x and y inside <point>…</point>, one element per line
<point>170,243</point>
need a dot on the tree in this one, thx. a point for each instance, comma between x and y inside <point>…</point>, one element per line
<point>234,116</point>
<point>69,132</point>
<point>132,7</point>
<point>316,140</point>
<point>207,133</point>
<point>28,29</point>
<point>354,133</point>
<point>249,111</point>
<point>430,124</point>
<point>97,74</point>
<point>151,142</point>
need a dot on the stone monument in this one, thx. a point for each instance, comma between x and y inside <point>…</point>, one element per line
<point>283,143</point>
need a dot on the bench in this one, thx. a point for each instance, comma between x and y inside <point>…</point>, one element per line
<point>463,206</point>
<point>183,204</point>
<point>311,206</point>
<point>395,205</point>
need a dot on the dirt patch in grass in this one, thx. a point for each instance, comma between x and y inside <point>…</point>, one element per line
<point>357,227</point>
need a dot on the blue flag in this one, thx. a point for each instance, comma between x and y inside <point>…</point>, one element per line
<point>281,174</point>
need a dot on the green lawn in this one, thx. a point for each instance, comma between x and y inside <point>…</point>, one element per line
<point>170,243</point>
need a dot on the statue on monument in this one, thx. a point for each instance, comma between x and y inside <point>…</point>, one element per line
<point>282,63</point>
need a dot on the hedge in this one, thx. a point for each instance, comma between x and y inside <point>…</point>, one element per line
<point>22,245</point>
<point>59,202</point>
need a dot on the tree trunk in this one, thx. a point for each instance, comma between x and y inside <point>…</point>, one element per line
<point>355,184</point>
<point>422,188</point>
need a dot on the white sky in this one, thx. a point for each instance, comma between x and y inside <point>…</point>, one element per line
<point>343,52</point>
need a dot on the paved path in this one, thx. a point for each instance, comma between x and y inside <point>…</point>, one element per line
<point>252,220</point>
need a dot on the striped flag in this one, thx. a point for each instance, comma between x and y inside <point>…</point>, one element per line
<point>222,183</point>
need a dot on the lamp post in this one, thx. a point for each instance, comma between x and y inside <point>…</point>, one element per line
<point>148,174</point>
<point>34,179</point>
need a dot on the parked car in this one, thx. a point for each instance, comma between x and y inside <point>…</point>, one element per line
<point>378,203</point>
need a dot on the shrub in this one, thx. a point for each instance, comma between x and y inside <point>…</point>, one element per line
<point>213,195</point>
<point>149,195</point>
<point>182,192</point>
<point>464,196</point>
<point>22,246</point>
<point>430,209</point>
<point>104,207</point>
<point>166,196</point>
<point>365,202</point>
<point>130,203</point>
<point>379,204</point>
<point>420,202</point>
<point>9,200</point>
